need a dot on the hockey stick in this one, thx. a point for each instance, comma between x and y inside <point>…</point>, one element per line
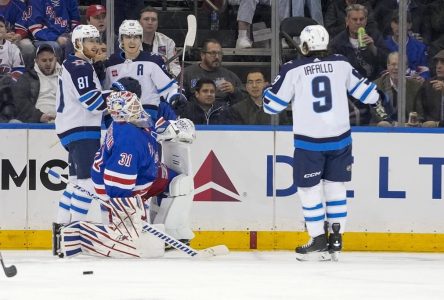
<point>189,41</point>
<point>205,253</point>
<point>10,271</point>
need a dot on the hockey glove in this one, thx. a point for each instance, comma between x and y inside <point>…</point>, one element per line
<point>128,84</point>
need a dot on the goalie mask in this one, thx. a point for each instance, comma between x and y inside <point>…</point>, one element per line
<point>125,106</point>
<point>313,38</point>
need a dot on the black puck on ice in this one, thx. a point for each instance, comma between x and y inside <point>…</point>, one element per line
<point>87,272</point>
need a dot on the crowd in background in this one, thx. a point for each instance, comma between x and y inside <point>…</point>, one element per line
<point>35,39</point>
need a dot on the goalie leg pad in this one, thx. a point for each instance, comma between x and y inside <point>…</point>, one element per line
<point>96,240</point>
<point>127,214</point>
<point>312,209</point>
<point>174,211</point>
<point>336,202</point>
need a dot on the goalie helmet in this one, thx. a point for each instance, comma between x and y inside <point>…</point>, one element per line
<point>83,32</point>
<point>130,27</point>
<point>313,38</point>
<point>125,106</point>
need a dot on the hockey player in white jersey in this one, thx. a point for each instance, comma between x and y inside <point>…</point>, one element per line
<point>80,105</point>
<point>317,86</point>
<point>148,68</point>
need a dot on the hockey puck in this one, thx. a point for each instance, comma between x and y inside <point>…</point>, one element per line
<point>87,272</point>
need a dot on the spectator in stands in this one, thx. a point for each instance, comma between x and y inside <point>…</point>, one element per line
<point>371,59</point>
<point>388,83</point>
<point>11,61</point>
<point>157,42</point>
<point>416,50</point>
<point>51,22</point>
<point>245,16</point>
<point>435,19</point>
<point>432,93</point>
<point>96,16</point>
<point>335,16</point>
<point>125,10</point>
<point>35,91</point>
<point>228,85</point>
<point>15,14</point>
<point>249,111</point>
<point>203,108</point>
<point>314,8</point>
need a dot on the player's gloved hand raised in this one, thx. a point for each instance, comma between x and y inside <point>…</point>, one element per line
<point>177,100</point>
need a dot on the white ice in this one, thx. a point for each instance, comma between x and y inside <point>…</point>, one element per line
<point>239,275</point>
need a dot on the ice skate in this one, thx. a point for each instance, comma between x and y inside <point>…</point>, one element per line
<point>315,249</point>
<point>335,242</point>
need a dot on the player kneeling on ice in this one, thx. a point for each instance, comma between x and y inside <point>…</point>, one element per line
<point>317,85</point>
<point>126,172</point>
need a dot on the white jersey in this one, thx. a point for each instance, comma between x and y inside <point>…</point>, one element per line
<point>11,61</point>
<point>79,101</point>
<point>148,69</point>
<point>318,89</point>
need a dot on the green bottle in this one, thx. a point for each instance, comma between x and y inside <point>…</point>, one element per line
<point>361,44</point>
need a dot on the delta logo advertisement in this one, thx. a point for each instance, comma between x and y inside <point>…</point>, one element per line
<point>211,182</point>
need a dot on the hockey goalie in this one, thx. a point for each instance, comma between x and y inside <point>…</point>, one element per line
<point>127,174</point>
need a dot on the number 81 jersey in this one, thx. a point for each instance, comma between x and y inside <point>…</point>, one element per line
<point>318,88</point>
<point>79,101</point>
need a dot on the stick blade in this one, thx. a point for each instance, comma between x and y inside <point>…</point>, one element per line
<point>191,34</point>
<point>10,271</point>
<point>218,250</point>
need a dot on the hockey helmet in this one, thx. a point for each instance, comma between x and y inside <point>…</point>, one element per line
<point>130,27</point>
<point>82,32</point>
<point>125,106</point>
<point>313,38</point>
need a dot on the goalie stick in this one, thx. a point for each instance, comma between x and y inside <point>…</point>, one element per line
<point>10,271</point>
<point>189,42</point>
<point>205,253</point>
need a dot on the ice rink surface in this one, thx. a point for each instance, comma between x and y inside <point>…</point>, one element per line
<point>239,275</point>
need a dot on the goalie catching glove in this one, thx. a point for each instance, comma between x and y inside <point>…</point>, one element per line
<point>181,130</point>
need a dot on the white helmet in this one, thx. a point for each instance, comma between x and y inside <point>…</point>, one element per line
<point>82,32</point>
<point>130,27</point>
<point>125,106</point>
<point>313,38</point>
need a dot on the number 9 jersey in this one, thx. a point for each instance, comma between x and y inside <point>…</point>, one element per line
<point>318,88</point>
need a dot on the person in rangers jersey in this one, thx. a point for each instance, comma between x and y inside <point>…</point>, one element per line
<point>317,85</point>
<point>126,172</point>
<point>11,61</point>
<point>79,108</point>
<point>148,68</point>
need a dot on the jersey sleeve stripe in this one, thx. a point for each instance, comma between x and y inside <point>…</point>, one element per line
<point>142,187</point>
<point>269,110</point>
<point>167,86</point>
<point>356,86</point>
<point>371,88</point>
<point>89,95</point>
<point>108,178</point>
<point>275,104</point>
<point>96,104</point>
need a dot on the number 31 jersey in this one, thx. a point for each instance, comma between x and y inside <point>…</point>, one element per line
<point>318,88</point>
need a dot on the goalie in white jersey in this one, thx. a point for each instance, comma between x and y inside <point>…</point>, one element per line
<point>317,85</point>
<point>148,68</point>
<point>80,105</point>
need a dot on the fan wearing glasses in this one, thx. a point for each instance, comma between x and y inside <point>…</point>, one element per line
<point>229,88</point>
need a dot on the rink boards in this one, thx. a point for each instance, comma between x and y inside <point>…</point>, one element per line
<point>395,198</point>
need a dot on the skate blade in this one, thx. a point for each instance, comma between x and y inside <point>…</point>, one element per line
<point>314,256</point>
